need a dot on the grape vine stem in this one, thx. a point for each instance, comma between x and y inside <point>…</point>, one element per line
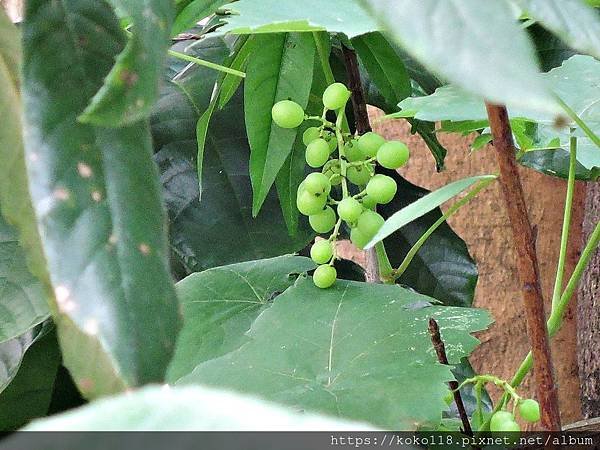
<point>527,264</point>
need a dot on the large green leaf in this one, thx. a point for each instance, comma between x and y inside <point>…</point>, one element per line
<point>356,350</point>
<point>575,22</point>
<point>477,45</point>
<point>220,304</point>
<point>29,394</point>
<point>275,16</point>
<point>191,408</point>
<point>10,48</point>
<point>219,229</point>
<point>443,268</point>
<point>22,299</point>
<point>131,87</point>
<point>428,203</point>
<point>280,68</point>
<point>97,201</point>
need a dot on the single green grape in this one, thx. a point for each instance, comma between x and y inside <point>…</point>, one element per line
<point>393,154</point>
<point>369,143</point>
<point>358,175</point>
<point>369,223</point>
<point>317,153</point>
<point>323,221</point>
<point>529,410</point>
<point>335,96</point>
<point>352,151</point>
<point>309,204</point>
<point>511,426</point>
<point>382,188</point>
<point>332,170</point>
<point>321,252</point>
<point>317,183</point>
<point>368,202</point>
<point>349,209</point>
<point>310,134</point>
<point>324,276</point>
<point>499,419</point>
<point>358,238</point>
<point>287,114</point>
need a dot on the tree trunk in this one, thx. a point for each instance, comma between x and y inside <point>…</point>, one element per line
<point>588,315</point>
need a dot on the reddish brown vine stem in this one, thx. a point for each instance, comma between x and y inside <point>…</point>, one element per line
<point>363,125</point>
<point>440,350</point>
<point>527,264</point>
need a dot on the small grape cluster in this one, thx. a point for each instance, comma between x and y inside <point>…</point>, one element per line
<point>347,165</point>
<point>503,421</point>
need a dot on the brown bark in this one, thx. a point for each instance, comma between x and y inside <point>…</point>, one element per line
<point>524,241</point>
<point>588,315</point>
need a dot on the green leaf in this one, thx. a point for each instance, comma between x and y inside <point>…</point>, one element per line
<point>13,351</point>
<point>220,304</point>
<point>556,163</point>
<point>478,46</point>
<point>231,83</point>
<point>190,408</point>
<point>193,13</point>
<point>276,16</point>
<point>384,66</point>
<point>219,229</point>
<point>424,205</point>
<point>356,350</point>
<point>131,87</point>
<point>15,202</point>
<point>574,21</point>
<point>97,201</point>
<point>22,299</point>
<point>551,50</point>
<point>280,68</point>
<point>29,395</point>
<point>481,141</point>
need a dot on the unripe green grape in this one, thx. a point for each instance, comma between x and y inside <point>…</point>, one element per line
<point>349,209</point>
<point>331,139</point>
<point>309,204</point>
<point>382,188</point>
<point>393,154</point>
<point>529,410</point>
<point>310,134</point>
<point>317,183</point>
<point>321,252</point>
<point>335,96</point>
<point>287,114</point>
<point>358,238</point>
<point>332,170</point>
<point>499,419</point>
<point>368,202</point>
<point>323,221</point>
<point>369,223</point>
<point>324,276</point>
<point>317,153</point>
<point>358,175</point>
<point>369,143</point>
<point>511,427</point>
<point>352,151</point>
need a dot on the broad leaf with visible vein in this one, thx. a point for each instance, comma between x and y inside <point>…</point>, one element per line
<point>220,228</point>
<point>131,87</point>
<point>275,16</point>
<point>195,11</point>
<point>189,408</point>
<point>575,22</point>
<point>356,350</point>
<point>280,68</point>
<point>220,305</point>
<point>97,201</point>
<point>477,45</point>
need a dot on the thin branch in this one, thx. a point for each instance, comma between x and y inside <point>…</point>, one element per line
<point>527,265</point>
<point>440,350</point>
<point>361,118</point>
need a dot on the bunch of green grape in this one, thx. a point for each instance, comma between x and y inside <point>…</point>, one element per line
<point>504,421</point>
<point>345,186</point>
